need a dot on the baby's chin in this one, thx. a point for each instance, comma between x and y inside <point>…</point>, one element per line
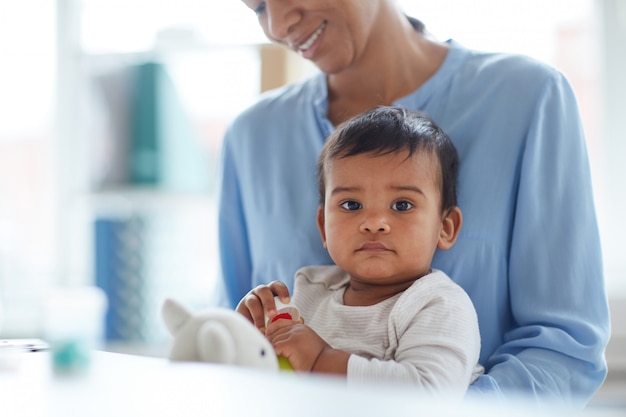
<point>381,277</point>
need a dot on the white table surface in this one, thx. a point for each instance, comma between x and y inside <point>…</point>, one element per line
<point>120,385</point>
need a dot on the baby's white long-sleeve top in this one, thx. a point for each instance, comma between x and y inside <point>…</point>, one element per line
<point>427,335</point>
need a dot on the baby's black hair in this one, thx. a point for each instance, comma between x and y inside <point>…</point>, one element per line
<point>387,130</point>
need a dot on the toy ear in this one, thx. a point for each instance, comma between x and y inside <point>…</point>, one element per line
<point>174,315</point>
<point>216,343</point>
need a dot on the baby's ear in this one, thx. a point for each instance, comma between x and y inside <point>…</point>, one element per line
<point>450,226</point>
<point>321,223</point>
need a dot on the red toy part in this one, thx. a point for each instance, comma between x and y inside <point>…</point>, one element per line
<point>282,316</point>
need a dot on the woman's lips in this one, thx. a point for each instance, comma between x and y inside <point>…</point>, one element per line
<point>304,46</point>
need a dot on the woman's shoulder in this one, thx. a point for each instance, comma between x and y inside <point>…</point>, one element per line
<point>505,66</point>
<point>279,102</point>
<point>511,82</point>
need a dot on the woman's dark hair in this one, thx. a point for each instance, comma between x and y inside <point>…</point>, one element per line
<point>417,24</point>
<point>387,130</point>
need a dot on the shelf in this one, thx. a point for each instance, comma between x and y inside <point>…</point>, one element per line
<point>129,200</point>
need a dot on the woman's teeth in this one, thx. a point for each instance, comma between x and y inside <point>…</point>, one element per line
<point>306,45</point>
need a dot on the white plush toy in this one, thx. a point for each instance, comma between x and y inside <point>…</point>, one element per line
<point>216,335</point>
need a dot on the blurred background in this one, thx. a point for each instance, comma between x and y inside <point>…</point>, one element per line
<point>112,113</point>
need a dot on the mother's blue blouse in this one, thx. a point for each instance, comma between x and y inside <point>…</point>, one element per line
<point>528,253</point>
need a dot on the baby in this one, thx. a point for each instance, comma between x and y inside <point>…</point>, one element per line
<point>387,185</point>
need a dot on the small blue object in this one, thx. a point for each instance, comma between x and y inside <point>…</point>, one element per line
<point>70,356</point>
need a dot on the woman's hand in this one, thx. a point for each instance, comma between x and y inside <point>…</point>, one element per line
<point>259,303</point>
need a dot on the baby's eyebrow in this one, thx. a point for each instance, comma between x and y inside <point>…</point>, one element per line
<point>338,190</point>
<point>408,188</point>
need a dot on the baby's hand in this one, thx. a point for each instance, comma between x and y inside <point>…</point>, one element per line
<point>259,303</point>
<point>297,342</point>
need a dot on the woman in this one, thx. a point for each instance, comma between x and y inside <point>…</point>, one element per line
<point>528,254</point>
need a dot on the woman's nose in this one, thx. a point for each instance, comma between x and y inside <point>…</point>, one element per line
<point>375,223</point>
<point>281,16</point>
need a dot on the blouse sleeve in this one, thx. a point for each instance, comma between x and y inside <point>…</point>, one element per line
<point>235,279</point>
<point>556,283</point>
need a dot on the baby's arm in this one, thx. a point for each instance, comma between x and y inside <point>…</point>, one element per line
<point>305,349</point>
<point>259,303</point>
<point>437,347</point>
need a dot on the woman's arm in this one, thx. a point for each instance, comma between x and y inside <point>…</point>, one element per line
<point>236,269</point>
<point>556,283</point>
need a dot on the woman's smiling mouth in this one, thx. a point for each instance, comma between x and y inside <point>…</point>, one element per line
<point>307,44</point>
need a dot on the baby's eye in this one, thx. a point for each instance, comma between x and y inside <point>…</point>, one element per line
<point>351,205</point>
<point>401,206</point>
